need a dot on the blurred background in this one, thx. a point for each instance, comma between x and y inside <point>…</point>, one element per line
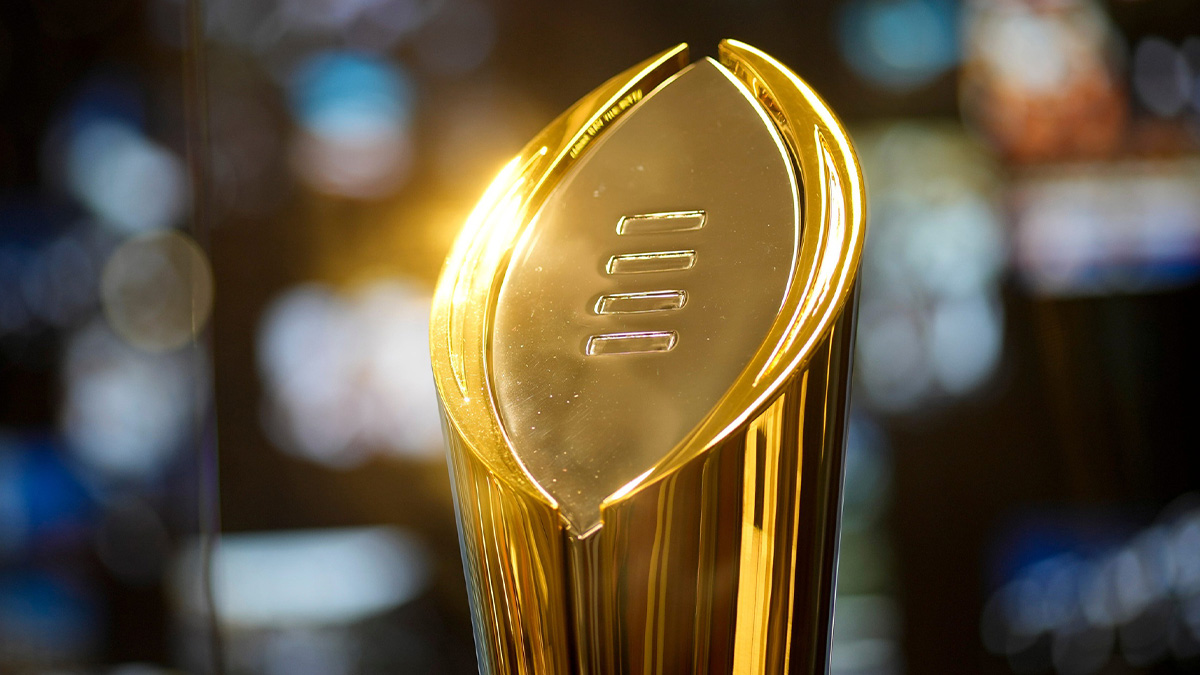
<point>221,220</point>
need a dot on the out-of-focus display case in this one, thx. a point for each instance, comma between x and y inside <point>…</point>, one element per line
<point>221,221</point>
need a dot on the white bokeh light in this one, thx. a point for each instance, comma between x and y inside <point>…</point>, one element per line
<point>348,376</point>
<point>127,412</point>
<point>931,324</point>
<point>127,180</point>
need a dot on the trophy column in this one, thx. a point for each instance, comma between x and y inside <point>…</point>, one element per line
<point>642,345</point>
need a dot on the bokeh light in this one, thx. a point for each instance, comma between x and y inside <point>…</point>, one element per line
<point>931,322</point>
<point>899,44</point>
<point>44,505</point>
<point>354,112</point>
<point>59,283</point>
<point>305,578</point>
<point>48,272</point>
<point>128,181</point>
<point>272,28</point>
<point>157,291</point>
<point>349,376</point>
<point>1121,228</point>
<point>1075,610</point>
<point>127,412</point>
<point>1039,79</point>
<point>46,618</point>
<point>1162,77</point>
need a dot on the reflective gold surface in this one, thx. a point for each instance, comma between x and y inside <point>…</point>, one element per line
<point>673,507</point>
<point>583,427</point>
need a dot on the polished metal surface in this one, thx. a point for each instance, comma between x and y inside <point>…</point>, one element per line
<point>641,341</point>
<point>696,165</point>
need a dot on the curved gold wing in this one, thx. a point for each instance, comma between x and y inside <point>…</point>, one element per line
<point>510,533</point>
<point>833,230</point>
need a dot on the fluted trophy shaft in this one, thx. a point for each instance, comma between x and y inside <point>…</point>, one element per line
<point>642,343</point>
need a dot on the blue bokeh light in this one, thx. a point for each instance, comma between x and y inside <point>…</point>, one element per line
<point>351,95</point>
<point>899,44</point>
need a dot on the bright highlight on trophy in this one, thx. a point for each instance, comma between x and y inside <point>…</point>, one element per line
<point>641,341</point>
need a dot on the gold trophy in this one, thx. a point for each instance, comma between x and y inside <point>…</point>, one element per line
<point>642,341</point>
